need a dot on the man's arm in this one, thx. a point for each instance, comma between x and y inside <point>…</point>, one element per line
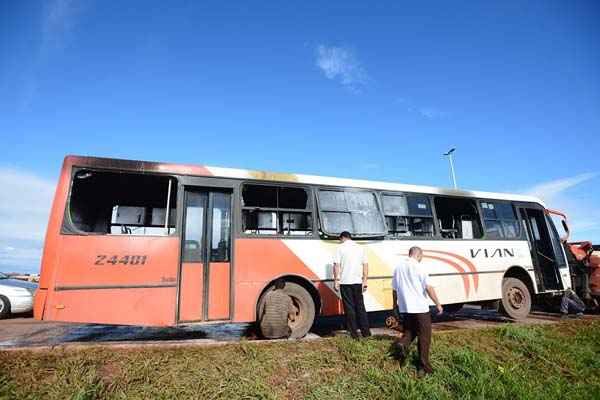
<point>431,292</point>
<point>336,276</point>
<point>365,276</point>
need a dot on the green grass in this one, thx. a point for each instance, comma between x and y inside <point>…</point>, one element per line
<point>511,362</point>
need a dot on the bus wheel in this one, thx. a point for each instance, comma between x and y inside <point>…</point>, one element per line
<point>516,299</point>
<point>4,307</point>
<point>304,305</point>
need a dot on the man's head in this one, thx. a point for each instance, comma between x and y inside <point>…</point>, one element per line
<point>345,236</point>
<point>416,253</point>
<point>279,284</point>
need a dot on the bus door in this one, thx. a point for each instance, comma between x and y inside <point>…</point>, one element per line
<point>204,279</point>
<point>546,256</point>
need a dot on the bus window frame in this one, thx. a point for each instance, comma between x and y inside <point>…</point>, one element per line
<point>311,207</point>
<point>436,235</point>
<point>521,235</point>
<point>325,235</point>
<point>437,225</point>
<point>68,227</point>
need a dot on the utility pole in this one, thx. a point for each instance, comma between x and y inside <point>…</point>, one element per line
<point>450,154</point>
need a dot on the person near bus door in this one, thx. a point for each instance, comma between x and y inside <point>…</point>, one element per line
<point>411,287</point>
<point>350,274</point>
<point>571,302</point>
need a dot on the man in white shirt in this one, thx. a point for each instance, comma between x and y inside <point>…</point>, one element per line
<point>350,274</point>
<point>411,289</point>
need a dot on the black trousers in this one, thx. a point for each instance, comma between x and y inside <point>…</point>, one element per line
<point>418,325</point>
<point>571,302</point>
<point>354,308</point>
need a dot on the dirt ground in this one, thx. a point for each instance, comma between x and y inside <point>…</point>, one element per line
<point>24,331</point>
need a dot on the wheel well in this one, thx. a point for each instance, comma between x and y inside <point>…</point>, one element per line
<point>522,275</point>
<point>305,283</point>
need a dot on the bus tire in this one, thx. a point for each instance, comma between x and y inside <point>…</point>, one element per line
<point>305,307</point>
<point>516,299</point>
<point>4,307</point>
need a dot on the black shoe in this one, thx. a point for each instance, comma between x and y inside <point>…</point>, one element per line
<point>579,315</point>
<point>366,335</point>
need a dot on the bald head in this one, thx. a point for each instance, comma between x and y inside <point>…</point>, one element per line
<point>416,253</point>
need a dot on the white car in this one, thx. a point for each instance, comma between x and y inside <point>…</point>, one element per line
<point>15,296</point>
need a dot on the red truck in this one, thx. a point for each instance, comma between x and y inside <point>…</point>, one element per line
<point>584,263</point>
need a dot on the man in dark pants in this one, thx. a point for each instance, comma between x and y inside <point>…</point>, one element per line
<point>412,288</point>
<point>350,273</point>
<point>571,302</point>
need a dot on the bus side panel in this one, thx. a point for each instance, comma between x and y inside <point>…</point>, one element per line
<point>52,240</point>
<point>218,295</point>
<point>191,294</point>
<point>132,306</point>
<point>118,260</point>
<point>115,280</point>
<point>259,261</point>
<point>461,270</point>
<point>39,303</point>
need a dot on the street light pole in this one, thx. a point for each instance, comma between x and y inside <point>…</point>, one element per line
<point>450,155</point>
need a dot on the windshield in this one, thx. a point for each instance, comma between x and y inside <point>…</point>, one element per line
<point>2,276</point>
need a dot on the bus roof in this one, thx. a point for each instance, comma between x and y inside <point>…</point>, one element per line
<point>203,170</point>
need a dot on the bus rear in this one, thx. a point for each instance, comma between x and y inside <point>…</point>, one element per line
<point>93,268</point>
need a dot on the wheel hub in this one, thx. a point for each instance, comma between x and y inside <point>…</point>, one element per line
<point>516,298</point>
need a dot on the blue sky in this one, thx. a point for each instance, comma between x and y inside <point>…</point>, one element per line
<point>343,89</point>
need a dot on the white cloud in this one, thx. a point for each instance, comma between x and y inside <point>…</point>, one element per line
<point>549,190</point>
<point>25,201</point>
<point>423,111</point>
<point>341,64</point>
<point>432,112</point>
<point>25,258</point>
<point>59,19</point>
<point>566,195</point>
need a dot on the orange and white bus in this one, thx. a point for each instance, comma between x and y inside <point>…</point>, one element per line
<point>145,243</point>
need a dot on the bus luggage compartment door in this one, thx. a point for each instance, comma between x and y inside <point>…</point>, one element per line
<point>204,291</point>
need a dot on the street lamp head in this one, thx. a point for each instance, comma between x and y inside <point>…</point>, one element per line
<point>450,151</point>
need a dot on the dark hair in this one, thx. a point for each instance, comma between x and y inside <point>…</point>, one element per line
<point>279,284</point>
<point>345,234</point>
<point>415,251</point>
